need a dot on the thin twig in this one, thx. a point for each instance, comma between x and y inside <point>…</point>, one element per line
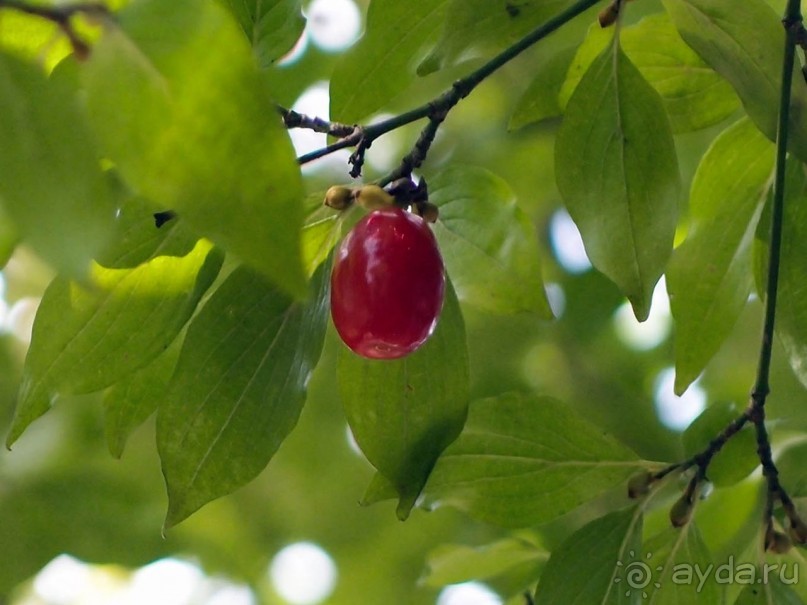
<point>793,34</point>
<point>417,156</point>
<point>703,458</point>
<point>437,109</point>
<point>294,119</point>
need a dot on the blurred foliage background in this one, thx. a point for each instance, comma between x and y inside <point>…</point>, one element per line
<point>62,493</point>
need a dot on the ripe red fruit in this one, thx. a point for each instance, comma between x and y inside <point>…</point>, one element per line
<point>387,284</point>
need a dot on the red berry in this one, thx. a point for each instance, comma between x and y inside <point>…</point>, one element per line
<point>387,284</point>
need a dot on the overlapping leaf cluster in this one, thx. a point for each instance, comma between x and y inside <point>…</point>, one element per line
<point>623,94</point>
<point>216,320</point>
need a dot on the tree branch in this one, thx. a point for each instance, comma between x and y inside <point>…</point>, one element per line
<point>793,33</point>
<point>437,109</point>
<point>755,413</point>
<point>293,119</point>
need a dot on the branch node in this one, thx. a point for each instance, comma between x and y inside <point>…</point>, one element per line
<point>356,158</point>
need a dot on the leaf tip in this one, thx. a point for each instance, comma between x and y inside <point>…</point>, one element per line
<point>641,308</point>
<point>429,65</point>
<point>115,448</point>
<point>175,514</point>
<point>404,508</point>
<point>682,382</point>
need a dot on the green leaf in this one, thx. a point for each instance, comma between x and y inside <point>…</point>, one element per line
<point>746,48</point>
<point>129,402</point>
<point>681,566</point>
<point>271,26</point>
<point>379,490</point>
<point>508,566</point>
<point>738,457</point>
<point>591,565</point>
<point>321,232</point>
<point>238,388</point>
<point>9,238</point>
<point>455,563</point>
<point>772,592</point>
<point>474,27</point>
<point>136,237</point>
<point>51,185</point>
<point>87,338</point>
<point>792,468</point>
<point>710,275</point>
<point>404,412</point>
<point>194,131</point>
<point>488,243</point>
<point>382,64</point>
<point>617,171</point>
<point>791,312</point>
<point>694,95</point>
<point>524,460</point>
<point>33,38</point>
<point>93,514</point>
<point>540,100</point>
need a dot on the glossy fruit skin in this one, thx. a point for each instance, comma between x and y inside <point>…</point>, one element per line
<point>387,284</point>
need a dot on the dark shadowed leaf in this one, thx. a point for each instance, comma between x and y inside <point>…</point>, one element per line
<point>239,387</point>
<point>404,412</point>
<point>616,167</point>
<point>525,459</point>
